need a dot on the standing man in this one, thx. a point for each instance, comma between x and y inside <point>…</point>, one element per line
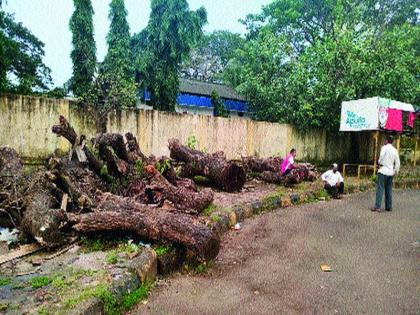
<point>389,165</point>
<point>287,164</point>
<point>333,182</point>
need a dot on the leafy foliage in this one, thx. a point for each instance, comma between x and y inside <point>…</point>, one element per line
<point>21,67</point>
<point>160,49</point>
<point>219,109</point>
<point>303,58</point>
<point>117,88</point>
<point>83,54</point>
<point>209,58</point>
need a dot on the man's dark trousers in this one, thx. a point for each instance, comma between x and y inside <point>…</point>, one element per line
<point>334,190</point>
<point>384,184</point>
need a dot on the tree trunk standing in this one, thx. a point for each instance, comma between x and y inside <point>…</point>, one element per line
<point>226,175</point>
<point>115,213</point>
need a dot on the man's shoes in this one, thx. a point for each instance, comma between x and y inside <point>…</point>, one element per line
<point>388,210</point>
<point>375,210</point>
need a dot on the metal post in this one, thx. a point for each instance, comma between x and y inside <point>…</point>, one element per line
<point>375,159</point>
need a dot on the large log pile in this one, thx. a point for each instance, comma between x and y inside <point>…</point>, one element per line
<point>108,184</point>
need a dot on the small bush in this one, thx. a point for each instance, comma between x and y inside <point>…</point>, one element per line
<point>39,282</point>
<point>162,250</point>
<point>209,209</point>
<point>4,281</point>
<point>191,142</point>
<point>112,257</point>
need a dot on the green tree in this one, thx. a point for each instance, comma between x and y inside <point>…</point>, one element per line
<point>210,56</point>
<point>219,109</point>
<point>83,54</point>
<point>116,71</point>
<point>21,67</point>
<point>303,58</point>
<point>169,36</point>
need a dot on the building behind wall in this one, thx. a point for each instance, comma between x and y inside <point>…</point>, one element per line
<point>194,97</point>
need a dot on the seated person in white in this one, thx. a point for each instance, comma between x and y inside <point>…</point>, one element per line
<point>333,182</point>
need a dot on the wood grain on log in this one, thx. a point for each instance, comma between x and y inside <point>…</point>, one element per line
<point>226,175</point>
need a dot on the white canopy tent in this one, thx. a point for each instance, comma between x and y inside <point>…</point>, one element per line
<point>368,113</point>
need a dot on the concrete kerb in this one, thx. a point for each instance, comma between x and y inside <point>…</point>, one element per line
<point>269,203</point>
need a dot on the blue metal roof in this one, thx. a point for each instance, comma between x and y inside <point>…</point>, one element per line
<point>186,99</point>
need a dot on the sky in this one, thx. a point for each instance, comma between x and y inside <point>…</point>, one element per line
<point>49,21</point>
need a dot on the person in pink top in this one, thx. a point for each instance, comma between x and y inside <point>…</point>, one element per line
<point>288,162</point>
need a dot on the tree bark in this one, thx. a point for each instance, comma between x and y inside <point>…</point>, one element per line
<point>159,189</point>
<point>254,164</point>
<point>43,219</point>
<point>226,175</point>
<point>117,213</point>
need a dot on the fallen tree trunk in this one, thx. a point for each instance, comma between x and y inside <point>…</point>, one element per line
<point>115,213</point>
<point>226,175</point>
<point>159,189</point>
<point>254,164</point>
<point>11,187</point>
<point>43,219</point>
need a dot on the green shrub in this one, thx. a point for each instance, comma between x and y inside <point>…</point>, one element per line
<point>39,282</point>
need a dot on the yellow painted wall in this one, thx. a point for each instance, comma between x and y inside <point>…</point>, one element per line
<point>26,126</point>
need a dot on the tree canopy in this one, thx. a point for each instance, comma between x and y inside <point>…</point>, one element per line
<point>303,58</point>
<point>83,54</point>
<point>172,31</point>
<point>117,76</point>
<point>21,67</point>
<point>210,56</point>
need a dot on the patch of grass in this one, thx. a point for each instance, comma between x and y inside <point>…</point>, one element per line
<point>3,306</point>
<point>322,194</point>
<point>42,311</point>
<point>39,282</point>
<point>209,209</point>
<point>112,306</point>
<point>59,282</point>
<point>161,250</point>
<point>215,218</point>
<point>4,281</point>
<point>254,175</point>
<point>203,267</point>
<point>112,257</point>
<point>93,245</point>
<point>141,293</point>
<point>128,248</point>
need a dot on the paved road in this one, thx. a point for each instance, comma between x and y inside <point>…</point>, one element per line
<point>272,266</point>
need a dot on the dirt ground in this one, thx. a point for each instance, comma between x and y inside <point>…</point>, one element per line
<point>272,265</point>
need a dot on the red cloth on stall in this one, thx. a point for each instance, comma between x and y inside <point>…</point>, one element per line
<point>411,118</point>
<point>394,121</point>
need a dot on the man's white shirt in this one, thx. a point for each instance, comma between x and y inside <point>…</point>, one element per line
<point>389,159</point>
<point>332,178</point>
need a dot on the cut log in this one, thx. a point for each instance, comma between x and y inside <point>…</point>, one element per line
<point>158,189</point>
<point>12,187</point>
<point>115,141</point>
<point>254,164</point>
<point>64,129</point>
<point>134,152</point>
<point>116,213</point>
<point>226,175</point>
<point>43,218</point>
